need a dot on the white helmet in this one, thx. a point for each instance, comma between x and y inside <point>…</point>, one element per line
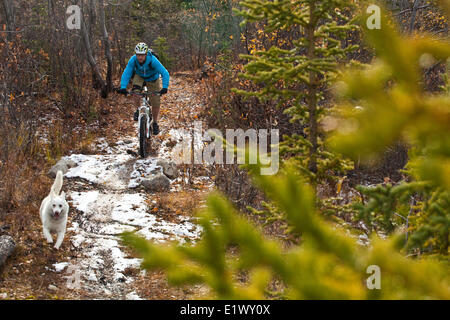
<point>141,48</point>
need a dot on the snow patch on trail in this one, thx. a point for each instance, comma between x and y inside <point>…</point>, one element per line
<point>116,213</point>
<point>100,169</point>
<point>143,168</point>
<point>102,214</point>
<point>60,266</point>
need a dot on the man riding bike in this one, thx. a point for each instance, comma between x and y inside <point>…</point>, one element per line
<point>145,68</point>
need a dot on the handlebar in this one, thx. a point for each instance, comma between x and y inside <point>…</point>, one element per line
<point>144,94</point>
<point>149,93</point>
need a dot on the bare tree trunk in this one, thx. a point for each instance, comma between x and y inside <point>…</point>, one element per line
<point>92,16</point>
<point>90,23</point>
<point>10,15</point>
<point>246,39</point>
<point>413,15</point>
<point>107,45</point>
<point>51,26</point>
<point>122,62</point>
<point>200,44</point>
<point>97,77</point>
<point>312,90</point>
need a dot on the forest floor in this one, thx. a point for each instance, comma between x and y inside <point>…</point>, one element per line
<point>105,199</point>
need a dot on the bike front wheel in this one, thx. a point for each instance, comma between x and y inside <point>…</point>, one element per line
<point>143,143</point>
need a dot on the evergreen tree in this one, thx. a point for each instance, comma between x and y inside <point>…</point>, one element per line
<point>394,107</point>
<point>298,77</point>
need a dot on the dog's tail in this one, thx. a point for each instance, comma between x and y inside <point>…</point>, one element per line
<point>57,185</point>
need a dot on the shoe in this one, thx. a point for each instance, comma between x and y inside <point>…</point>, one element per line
<point>136,115</point>
<point>155,128</point>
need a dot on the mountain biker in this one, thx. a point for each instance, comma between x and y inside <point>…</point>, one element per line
<point>145,68</point>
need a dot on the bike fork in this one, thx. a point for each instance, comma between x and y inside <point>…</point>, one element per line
<point>139,122</point>
<point>147,133</point>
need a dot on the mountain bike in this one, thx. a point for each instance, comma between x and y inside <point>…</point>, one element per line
<point>144,120</point>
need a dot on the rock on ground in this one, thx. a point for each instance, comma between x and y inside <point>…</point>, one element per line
<point>7,247</point>
<point>52,287</point>
<point>158,182</point>
<point>169,168</point>
<point>64,165</point>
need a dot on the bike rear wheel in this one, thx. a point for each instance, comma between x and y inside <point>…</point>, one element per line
<point>143,143</point>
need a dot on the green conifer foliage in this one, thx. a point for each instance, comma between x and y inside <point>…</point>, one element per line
<point>297,78</point>
<point>328,264</point>
<point>394,107</point>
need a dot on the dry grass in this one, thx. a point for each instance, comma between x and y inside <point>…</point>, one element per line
<point>24,162</point>
<point>174,204</point>
<point>154,286</point>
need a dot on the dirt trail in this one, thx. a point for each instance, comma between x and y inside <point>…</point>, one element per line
<point>106,199</point>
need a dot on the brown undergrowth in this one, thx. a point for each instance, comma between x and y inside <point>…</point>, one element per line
<point>28,273</point>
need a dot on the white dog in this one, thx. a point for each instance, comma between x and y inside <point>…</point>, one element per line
<point>54,211</point>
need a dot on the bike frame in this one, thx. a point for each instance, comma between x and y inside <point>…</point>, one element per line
<point>145,108</point>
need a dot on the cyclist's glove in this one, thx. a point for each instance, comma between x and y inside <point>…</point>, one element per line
<point>163,91</point>
<point>122,91</point>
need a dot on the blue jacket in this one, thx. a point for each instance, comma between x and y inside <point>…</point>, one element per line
<point>150,70</point>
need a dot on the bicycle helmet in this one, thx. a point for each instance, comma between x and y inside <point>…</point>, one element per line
<point>141,48</point>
